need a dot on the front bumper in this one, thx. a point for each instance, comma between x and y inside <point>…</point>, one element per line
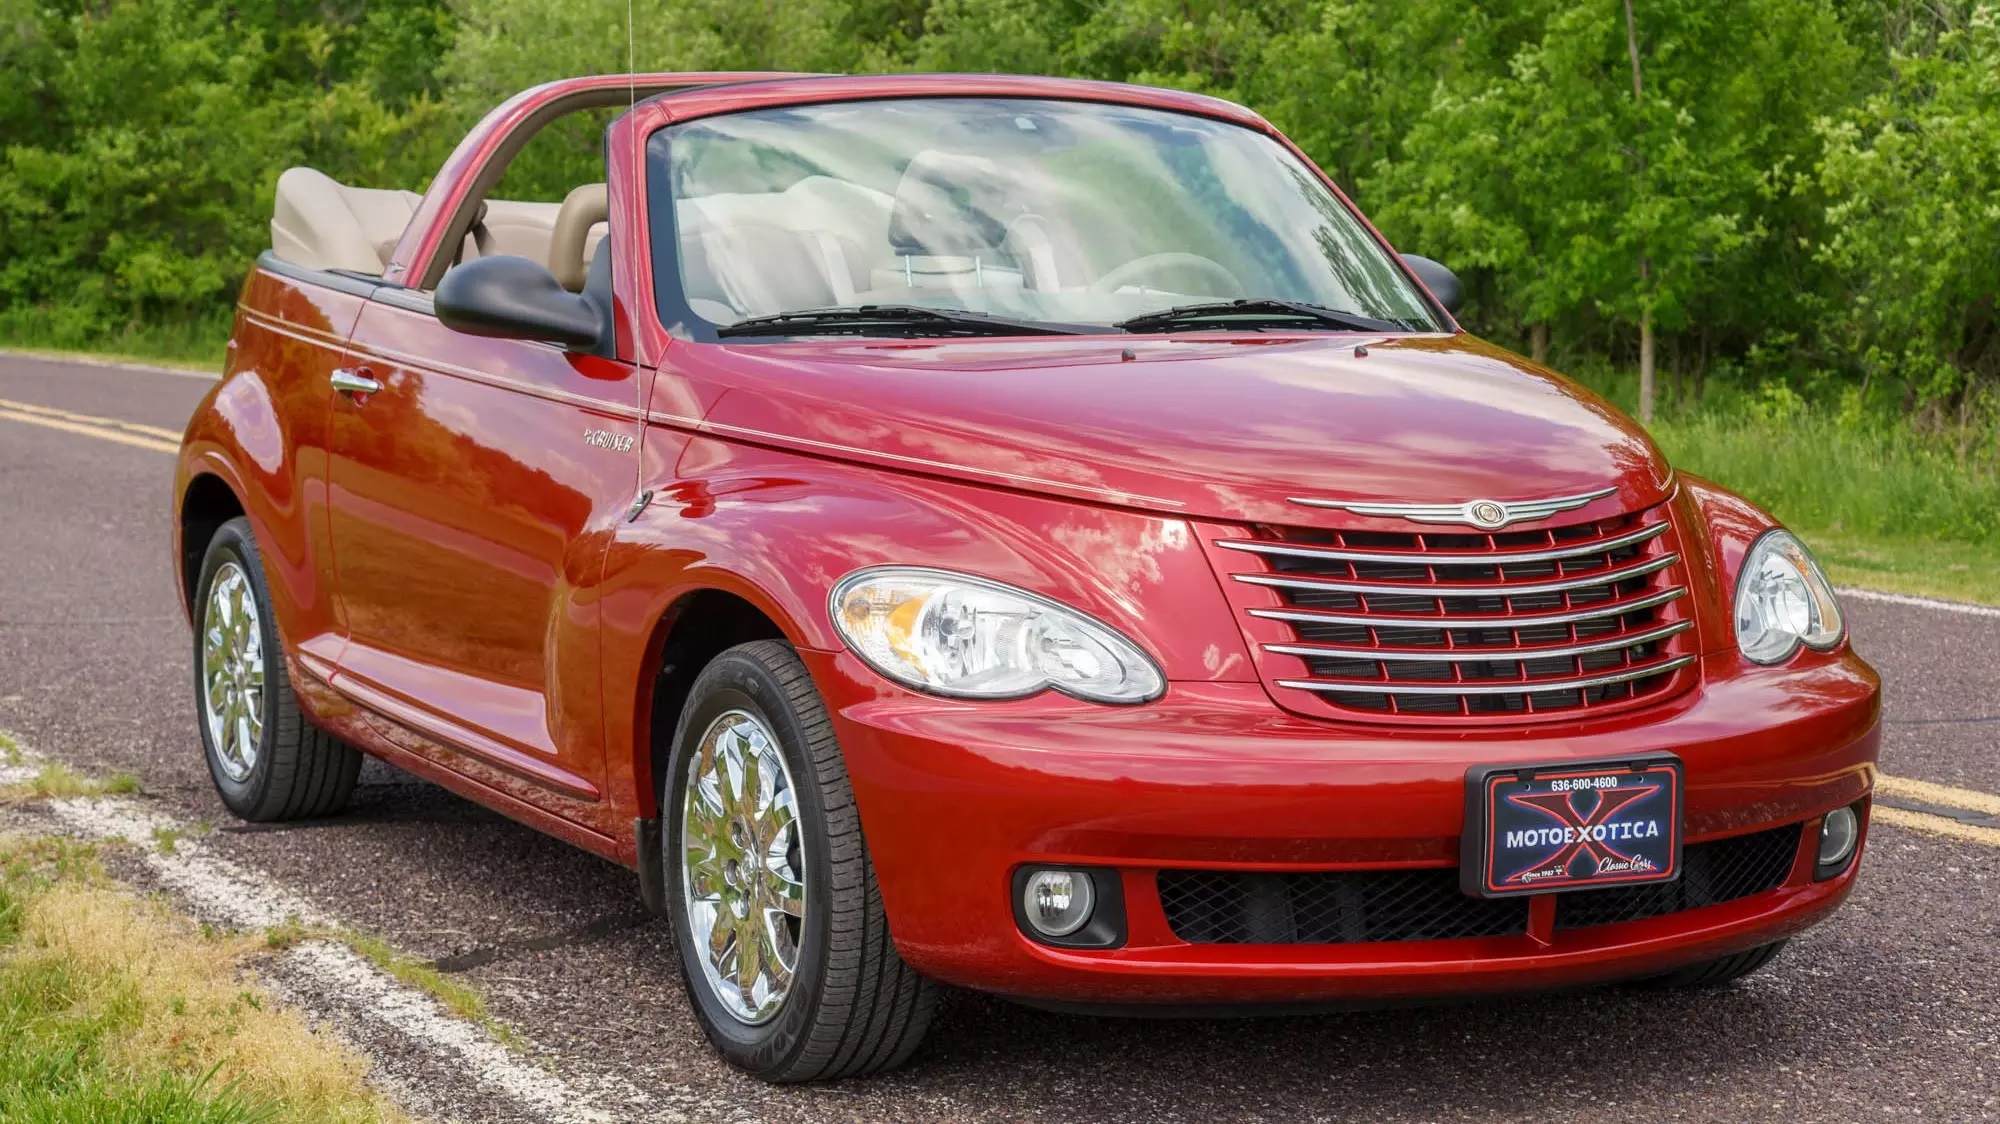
<point>955,796</point>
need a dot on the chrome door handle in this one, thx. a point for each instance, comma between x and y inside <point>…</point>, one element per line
<point>349,380</point>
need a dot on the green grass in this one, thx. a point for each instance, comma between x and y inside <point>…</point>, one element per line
<point>198,344</point>
<point>58,1026</point>
<point>1955,571</point>
<point>1882,505</point>
<point>57,781</point>
<point>1880,508</point>
<point>459,998</point>
<point>1868,481</point>
<point>115,1011</point>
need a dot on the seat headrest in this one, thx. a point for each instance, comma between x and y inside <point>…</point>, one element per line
<point>950,205</point>
<point>583,208</point>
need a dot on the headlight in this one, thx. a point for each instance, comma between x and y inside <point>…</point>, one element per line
<point>970,638</point>
<point>1783,600</point>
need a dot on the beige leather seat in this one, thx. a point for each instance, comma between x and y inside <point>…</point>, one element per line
<point>755,269</point>
<point>750,254</point>
<point>321,224</point>
<point>516,228</point>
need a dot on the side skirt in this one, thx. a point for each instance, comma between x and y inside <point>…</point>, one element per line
<point>349,720</point>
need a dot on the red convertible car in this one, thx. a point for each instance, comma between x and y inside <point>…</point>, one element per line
<point>1011,533</point>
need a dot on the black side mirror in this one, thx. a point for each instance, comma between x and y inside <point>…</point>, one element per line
<point>1442,282</point>
<point>517,299</point>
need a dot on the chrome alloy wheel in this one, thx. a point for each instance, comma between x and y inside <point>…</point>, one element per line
<point>743,866</point>
<point>232,671</point>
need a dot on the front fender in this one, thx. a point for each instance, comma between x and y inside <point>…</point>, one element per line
<point>262,432</point>
<point>780,529</point>
<point>234,439</point>
<point>1734,524</point>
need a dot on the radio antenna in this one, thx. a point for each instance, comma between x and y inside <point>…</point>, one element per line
<point>631,60</point>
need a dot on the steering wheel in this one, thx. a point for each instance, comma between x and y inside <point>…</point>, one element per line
<point>1223,282</point>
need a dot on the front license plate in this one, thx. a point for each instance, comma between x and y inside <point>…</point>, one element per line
<point>1535,828</point>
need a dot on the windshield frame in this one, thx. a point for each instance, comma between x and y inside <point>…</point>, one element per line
<point>677,318</point>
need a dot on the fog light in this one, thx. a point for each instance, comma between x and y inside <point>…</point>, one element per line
<point>1057,902</point>
<point>1838,833</point>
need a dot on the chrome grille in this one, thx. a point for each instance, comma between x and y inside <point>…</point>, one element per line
<point>1456,624</point>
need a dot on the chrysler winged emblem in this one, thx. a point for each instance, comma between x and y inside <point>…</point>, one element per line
<point>1487,515</point>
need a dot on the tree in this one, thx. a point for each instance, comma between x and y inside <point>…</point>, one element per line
<point>1614,171</point>
<point>1912,177</point>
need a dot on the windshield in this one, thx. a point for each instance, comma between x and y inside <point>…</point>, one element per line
<point>1076,214</point>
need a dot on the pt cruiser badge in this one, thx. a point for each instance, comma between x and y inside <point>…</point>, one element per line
<point>605,439</point>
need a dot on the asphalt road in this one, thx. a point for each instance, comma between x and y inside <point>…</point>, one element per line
<point>1889,1011</point>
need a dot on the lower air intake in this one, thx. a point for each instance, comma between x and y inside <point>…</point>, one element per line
<point>1352,907</point>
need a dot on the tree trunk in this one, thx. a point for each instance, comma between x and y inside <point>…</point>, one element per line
<point>1538,341</point>
<point>1646,366</point>
<point>1645,266</point>
<point>1676,389</point>
<point>1701,368</point>
<point>1632,51</point>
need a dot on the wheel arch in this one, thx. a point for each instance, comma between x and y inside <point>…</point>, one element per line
<point>699,624</point>
<point>207,501</point>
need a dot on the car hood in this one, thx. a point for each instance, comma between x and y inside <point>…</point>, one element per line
<point>1223,427</point>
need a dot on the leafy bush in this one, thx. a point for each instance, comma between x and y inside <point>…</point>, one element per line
<point>144,140</point>
<point>1914,175</point>
<point>1791,194</point>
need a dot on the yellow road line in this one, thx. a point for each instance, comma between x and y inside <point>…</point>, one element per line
<point>1937,825</point>
<point>122,438</point>
<point>92,419</point>
<point>1924,792</point>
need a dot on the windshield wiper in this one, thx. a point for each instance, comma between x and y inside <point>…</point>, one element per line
<point>1254,314</point>
<point>891,319</point>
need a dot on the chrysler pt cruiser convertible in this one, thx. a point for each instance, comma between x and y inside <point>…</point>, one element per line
<point>1002,533</point>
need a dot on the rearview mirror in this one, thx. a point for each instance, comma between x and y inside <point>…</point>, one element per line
<point>1442,282</point>
<point>515,298</point>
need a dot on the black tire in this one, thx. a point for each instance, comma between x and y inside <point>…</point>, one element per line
<point>299,771</point>
<point>854,1007</point>
<point>1715,973</point>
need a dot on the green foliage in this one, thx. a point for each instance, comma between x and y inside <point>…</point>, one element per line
<point>143,139</point>
<point>1913,173</point>
<point>1801,195</point>
<point>1579,203</point>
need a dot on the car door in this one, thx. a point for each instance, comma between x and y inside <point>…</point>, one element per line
<point>471,502</point>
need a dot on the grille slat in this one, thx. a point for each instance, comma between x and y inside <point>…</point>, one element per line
<point>1443,558</point>
<point>1512,686</point>
<point>1466,625</point>
<point>1349,907</point>
<point>1468,653</point>
<point>1509,587</point>
<point>1594,612</point>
